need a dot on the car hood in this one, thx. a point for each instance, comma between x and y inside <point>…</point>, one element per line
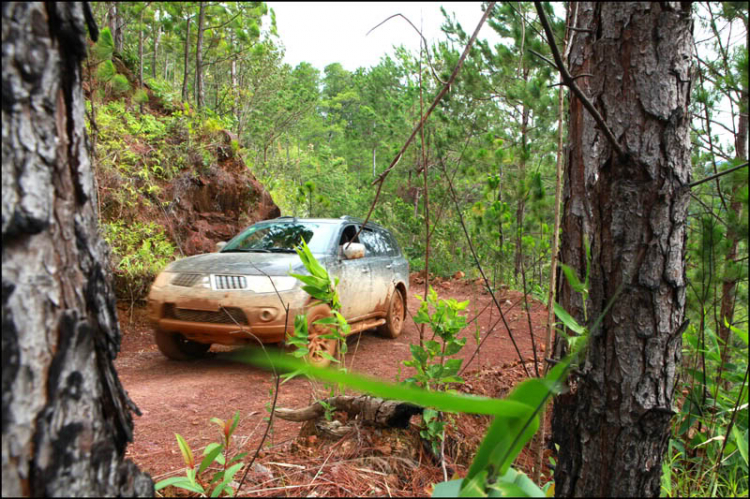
<point>239,263</point>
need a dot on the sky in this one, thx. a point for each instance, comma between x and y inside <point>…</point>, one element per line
<point>325,32</point>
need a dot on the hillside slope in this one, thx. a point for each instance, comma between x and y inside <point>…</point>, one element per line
<point>171,181</point>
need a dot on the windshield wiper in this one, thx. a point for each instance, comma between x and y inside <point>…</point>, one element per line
<point>281,250</point>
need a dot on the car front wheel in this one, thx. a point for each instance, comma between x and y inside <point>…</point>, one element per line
<point>394,321</point>
<point>176,347</point>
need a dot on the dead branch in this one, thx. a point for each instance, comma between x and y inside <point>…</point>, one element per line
<point>373,411</point>
<point>570,82</point>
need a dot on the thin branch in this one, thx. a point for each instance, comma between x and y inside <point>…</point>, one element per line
<point>424,42</point>
<point>709,210</point>
<point>381,178</point>
<point>484,277</point>
<point>708,179</point>
<point>570,82</point>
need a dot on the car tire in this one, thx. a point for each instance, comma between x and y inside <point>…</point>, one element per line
<point>176,347</point>
<point>394,320</point>
<point>316,344</point>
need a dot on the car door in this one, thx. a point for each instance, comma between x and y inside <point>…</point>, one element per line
<point>355,282</point>
<point>381,268</point>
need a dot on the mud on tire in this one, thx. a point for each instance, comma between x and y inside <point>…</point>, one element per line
<point>394,321</point>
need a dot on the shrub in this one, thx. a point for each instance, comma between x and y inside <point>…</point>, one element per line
<point>140,251</point>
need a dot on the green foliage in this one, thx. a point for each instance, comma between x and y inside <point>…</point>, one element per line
<point>432,362</point>
<point>104,46</point>
<point>120,84</point>
<point>708,451</point>
<point>434,368</point>
<point>140,250</point>
<point>216,453</point>
<point>106,71</point>
<point>140,96</point>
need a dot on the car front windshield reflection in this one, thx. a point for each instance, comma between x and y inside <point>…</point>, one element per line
<point>281,238</point>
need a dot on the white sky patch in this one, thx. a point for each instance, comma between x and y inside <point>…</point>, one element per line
<point>322,33</point>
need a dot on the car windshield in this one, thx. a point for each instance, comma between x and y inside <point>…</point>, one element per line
<point>282,237</point>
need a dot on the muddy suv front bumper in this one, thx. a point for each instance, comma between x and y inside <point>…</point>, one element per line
<point>227,317</point>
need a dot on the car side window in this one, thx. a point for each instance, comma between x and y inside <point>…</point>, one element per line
<point>396,251</point>
<point>386,243</point>
<point>372,248</point>
<point>376,243</point>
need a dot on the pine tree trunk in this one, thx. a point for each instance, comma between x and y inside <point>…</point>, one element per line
<point>522,182</point>
<point>199,56</point>
<point>140,52</point>
<point>66,417</point>
<point>116,28</point>
<point>729,286</point>
<point>613,426</point>
<point>157,35</point>
<point>186,62</point>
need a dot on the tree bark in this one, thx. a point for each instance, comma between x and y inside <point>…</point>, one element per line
<point>140,51</point>
<point>522,192</point>
<point>115,27</point>
<point>187,61</point>
<point>613,426</point>
<point>66,417</point>
<point>729,286</point>
<point>199,56</point>
<point>157,35</point>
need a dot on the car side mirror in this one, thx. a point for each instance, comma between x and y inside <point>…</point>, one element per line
<point>352,251</point>
<point>220,245</point>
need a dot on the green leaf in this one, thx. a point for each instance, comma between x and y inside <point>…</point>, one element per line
<point>473,404</point>
<point>235,422</point>
<point>523,482</point>
<point>176,481</point>
<point>572,278</point>
<point>447,489</point>
<point>741,442</point>
<point>228,477</point>
<point>569,321</point>
<point>187,454</point>
<point>209,458</point>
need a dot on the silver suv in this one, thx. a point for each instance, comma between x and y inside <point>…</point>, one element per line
<point>239,295</point>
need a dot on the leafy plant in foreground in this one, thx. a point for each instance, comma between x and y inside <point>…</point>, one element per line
<point>432,374</point>
<point>216,452</point>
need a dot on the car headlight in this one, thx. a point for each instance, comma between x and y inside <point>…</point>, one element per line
<point>162,279</point>
<point>266,284</point>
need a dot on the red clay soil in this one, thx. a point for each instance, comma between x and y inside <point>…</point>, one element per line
<point>181,397</point>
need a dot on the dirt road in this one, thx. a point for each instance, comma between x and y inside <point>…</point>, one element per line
<point>181,397</point>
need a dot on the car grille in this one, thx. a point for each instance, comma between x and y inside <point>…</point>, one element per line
<point>186,280</point>
<point>230,281</point>
<point>227,315</point>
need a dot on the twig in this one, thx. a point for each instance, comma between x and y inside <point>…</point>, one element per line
<point>708,179</point>
<point>381,178</point>
<point>709,210</point>
<point>570,82</point>
<point>486,281</point>
<point>424,42</point>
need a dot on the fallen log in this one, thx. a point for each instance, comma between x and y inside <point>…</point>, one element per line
<point>373,411</point>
